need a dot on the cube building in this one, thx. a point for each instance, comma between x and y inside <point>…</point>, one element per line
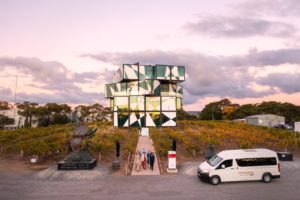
<point>145,95</point>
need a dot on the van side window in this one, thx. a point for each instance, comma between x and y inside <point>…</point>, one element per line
<point>227,163</point>
<point>248,162</point>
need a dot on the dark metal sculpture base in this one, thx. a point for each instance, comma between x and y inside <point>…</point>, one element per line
<point>77,166</point>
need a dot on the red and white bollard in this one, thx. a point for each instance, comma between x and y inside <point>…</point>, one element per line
<point>172,162</point>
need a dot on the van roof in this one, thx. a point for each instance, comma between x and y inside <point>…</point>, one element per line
<point>247,153</point>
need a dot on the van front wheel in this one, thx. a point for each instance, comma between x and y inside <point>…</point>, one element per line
<point>215,180</point>
<point>267,178</point>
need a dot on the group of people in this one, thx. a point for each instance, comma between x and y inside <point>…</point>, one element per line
<point>143,160</point>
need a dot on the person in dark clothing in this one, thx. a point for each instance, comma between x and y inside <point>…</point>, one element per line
<point>148,158</point>
<point>152,159</point>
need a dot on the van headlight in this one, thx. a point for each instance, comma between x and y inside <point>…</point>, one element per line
<point>205,171</point>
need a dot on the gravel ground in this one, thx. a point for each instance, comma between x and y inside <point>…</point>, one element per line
<point>79,185</point>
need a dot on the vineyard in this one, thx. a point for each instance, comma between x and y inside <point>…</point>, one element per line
<point>192,137</point>
<point>53,142</point>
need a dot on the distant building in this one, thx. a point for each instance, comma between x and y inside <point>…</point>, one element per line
<point>268,120</point>
<point>196,113</point>
<point>297,126</point>
<point>239,120</point>
<point>19,121</point>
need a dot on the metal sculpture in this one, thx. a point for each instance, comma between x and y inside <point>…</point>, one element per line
<point>80,158</point>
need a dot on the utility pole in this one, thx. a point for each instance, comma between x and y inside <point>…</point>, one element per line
<point>15,99</point>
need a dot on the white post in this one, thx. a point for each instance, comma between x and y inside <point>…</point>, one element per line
<point>172,162</point>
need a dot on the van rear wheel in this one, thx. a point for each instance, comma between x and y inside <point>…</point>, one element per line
<point>215,180</point>
<point>267,178</point>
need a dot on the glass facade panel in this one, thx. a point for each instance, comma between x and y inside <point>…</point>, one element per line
<point>137,119</point>
<point>123,119</point>
<point>137,103</point>
<point>120,103</point>
<point>149,72</point>
<point>168,103</point>
<point>163,72</point>
<point>153,103</point>
<point>153,119</point>
<point>178,104</point>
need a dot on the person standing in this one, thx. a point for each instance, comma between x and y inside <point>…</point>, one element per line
<point>148,158</point>
<point>145,161</point>
<point>152,159</point>
<point>142,158</point>
<point>137,161</point>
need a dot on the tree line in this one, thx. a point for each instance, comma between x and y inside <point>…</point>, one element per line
<point>53,113</point>
<point>226,110</point>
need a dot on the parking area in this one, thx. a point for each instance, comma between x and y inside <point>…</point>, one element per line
<point>184,185</point>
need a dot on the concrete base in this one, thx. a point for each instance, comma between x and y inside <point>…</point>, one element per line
<point>116,165</point>
<point>172,171</point>
<point>77,166</point>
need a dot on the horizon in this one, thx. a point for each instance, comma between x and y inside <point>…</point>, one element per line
<point>65,51</point>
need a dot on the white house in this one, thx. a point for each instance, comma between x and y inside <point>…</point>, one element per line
<point>297,126</point>
<point>19,121</point>
<point>268,120</point>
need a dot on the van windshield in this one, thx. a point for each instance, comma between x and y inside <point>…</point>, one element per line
<point>214,160</point>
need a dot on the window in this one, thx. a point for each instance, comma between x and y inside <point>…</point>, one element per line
<point>153,119</point>
<point>168,103</point>
<point>149,72</point>
<point>137,103</point>
<point>120,103</point>
<point>178,103</point>
<point>248,162</point>
<point>214,160</point>
<point>162,72</point>
<point>153,103</point>
<point>164,87</point>
<point>227,163</point>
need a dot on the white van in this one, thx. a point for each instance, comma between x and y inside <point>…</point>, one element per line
<point>240,165</point>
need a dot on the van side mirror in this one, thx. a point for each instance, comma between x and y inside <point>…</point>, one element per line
<point>223,166</point>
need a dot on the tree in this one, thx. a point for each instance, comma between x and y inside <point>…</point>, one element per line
<point>290,111</point>
<point>211,111</point>
<point>183,115</point>
<point>27,110</point>
<point>4,105</point>
<point>4,120</point>
<point>243,111</point>
<point>53,113</point>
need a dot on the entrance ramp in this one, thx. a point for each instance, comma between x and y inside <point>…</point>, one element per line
<point>146,142</point>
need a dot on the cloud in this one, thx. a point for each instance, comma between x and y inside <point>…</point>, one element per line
<point>286,82</point>
<point>263,58</point>
<point>209,76</point>
<point>6,93</point>
<point>238,27</point>
<point>59,83</point>
<point>269,7</point>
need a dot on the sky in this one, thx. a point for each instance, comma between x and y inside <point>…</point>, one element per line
<point>64,51</point>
